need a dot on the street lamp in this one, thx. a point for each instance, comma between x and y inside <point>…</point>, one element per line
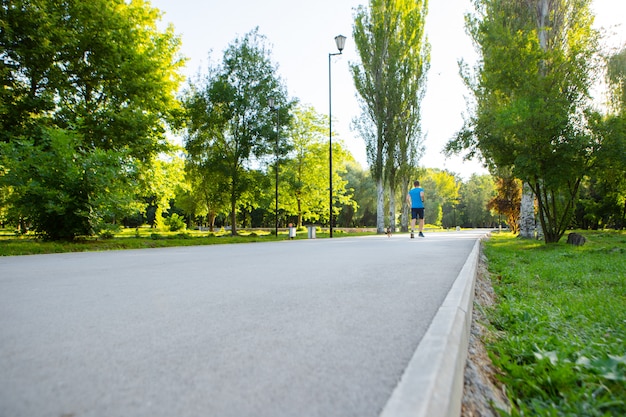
<point>271,103</point>
<point>340,40</point>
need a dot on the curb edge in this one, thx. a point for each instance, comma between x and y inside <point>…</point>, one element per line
<point>432,383</point>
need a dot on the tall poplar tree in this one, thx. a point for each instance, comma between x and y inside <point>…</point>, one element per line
<point>390,80</point>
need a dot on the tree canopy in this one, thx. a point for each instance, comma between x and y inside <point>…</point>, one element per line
<point>230,121</point>
<point>87,86</point>
<point>531,87</point>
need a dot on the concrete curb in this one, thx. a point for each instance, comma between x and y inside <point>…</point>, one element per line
<point>432,383</point>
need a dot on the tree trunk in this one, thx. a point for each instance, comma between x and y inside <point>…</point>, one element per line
<point>159,223</point>
<point>556,208</point>
<point>299,212</point>
<point>380,207</point>
<point>392,209</point>
<point>404,216</point>
<point>527,213</point>
<point>543,14</point>
<point>211,220</point>
<point>233,216</point>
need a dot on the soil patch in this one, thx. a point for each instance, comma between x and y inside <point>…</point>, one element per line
<point>483,394</point>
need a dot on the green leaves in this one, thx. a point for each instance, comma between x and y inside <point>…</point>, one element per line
<point>230,120</point>
<point>62,190</point>
<point>532,96</point>
<point>610,367</point>
<point>88,89</point>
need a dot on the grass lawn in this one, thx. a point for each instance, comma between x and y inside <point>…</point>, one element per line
<point>144,237</point>
<point>559,325</point>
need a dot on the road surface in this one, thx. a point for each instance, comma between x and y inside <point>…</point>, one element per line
<point>320,327</point>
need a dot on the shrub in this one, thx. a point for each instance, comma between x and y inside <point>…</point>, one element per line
<point>61,190</point>
<point>175,223</point>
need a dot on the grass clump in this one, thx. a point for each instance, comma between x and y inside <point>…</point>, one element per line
<point>560,324</point>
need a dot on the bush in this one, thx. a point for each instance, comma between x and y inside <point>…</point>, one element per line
<point>62,191</point>
<point>175,223</point>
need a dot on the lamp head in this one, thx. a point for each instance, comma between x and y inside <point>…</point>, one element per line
<point>270,102</point>
<point>340,40</point>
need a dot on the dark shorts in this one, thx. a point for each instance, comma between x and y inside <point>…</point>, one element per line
<point>417,213</point>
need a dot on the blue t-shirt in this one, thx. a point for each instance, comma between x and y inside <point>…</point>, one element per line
<point>416,198</point>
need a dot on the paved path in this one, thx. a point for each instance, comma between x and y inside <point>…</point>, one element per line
<point>310,328</point>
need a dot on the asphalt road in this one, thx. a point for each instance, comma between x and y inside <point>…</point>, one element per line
<point>320,327</point>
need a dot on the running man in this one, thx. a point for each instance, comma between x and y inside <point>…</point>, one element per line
<point>415,198</point>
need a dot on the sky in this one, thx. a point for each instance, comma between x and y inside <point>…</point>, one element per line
<point>301,35</point>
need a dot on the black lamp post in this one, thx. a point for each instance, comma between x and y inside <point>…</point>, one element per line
<point>271,104</point>
<point>340,40</point>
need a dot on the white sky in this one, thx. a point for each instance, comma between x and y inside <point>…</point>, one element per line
<point>302,35</point>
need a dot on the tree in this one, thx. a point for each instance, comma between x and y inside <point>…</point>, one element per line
<point>532,99</point>
<point>99,68</point>
<point>257,197</point>
<point>441,188</point>
<point>603,202</point>
<point>613,150</point>
<point>475,196</point>
<point>610,167</point>
<point>305,172</point>
<point>616,79</point>
<point>363,212</point>
<point>208,190</point>
<point>305,178</point>
<point>230,121</point>
<point>100,75</point>
<point>507,201</point>
<point>344,196</point>
<point>394,56</point>
<point>160,183</point>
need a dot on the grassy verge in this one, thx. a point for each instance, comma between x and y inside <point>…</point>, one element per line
<point>143,238</point>
<point>560,324</point>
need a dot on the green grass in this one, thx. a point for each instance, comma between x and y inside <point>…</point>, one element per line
<point>560,324</point>
<point>144,237</point>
